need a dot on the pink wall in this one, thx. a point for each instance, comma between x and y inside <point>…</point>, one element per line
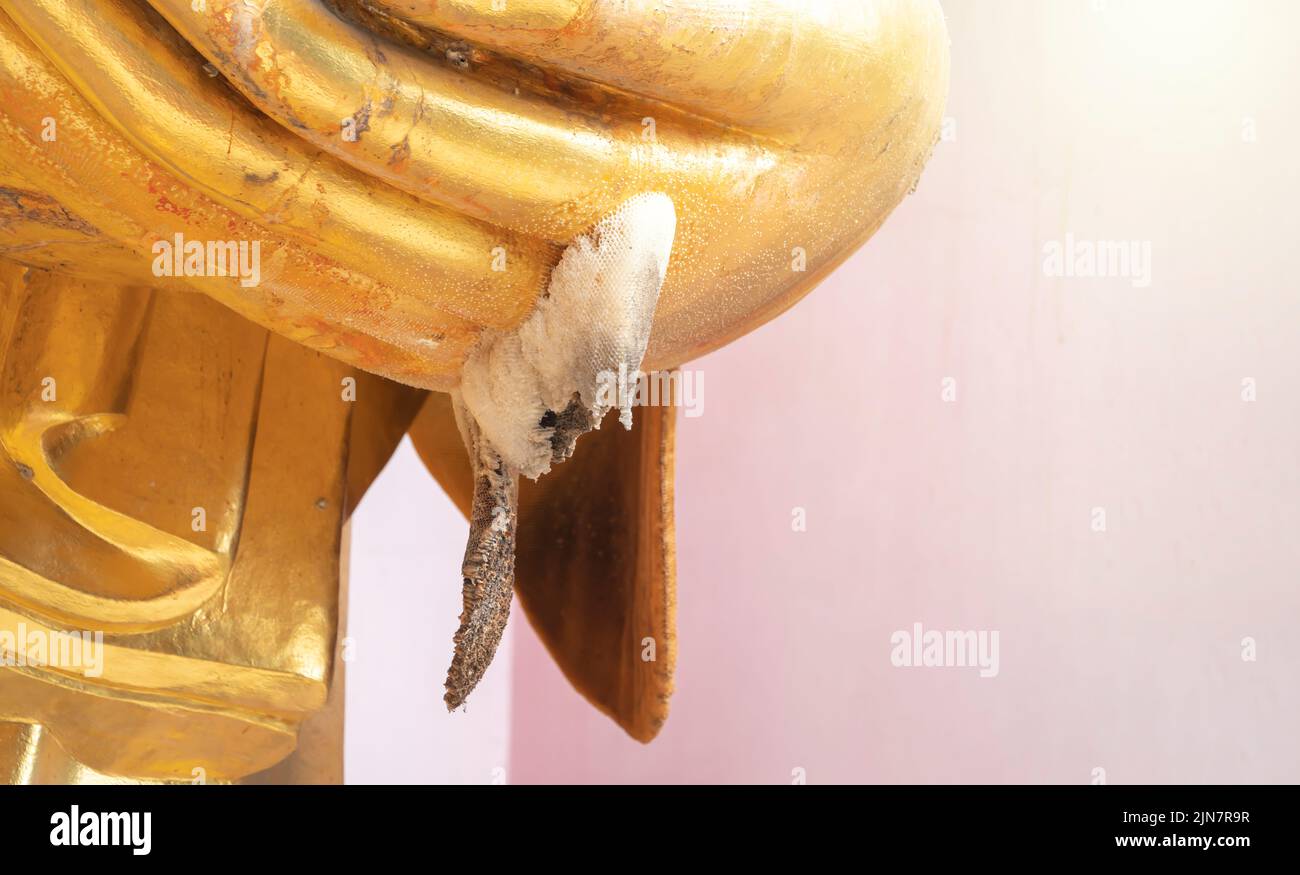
<point>1119,649</point>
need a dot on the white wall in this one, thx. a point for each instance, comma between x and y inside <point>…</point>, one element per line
<point>407,543</point>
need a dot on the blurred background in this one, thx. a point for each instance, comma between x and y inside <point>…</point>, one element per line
<point>950,414</point>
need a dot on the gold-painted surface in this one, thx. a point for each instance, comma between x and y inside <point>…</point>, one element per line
<point>124,410</point>
<point>478,18</point>
<point>97,175</point>
<point>69,349</point>
<point>30,754</point>
<point>784,132</point>
<point>38,231</point>
<point>797,72</point>
<point>318,758</point>
<point>201,130</point>
<point>411,170</point>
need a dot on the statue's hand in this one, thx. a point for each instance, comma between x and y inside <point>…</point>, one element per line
<point>468,142</point>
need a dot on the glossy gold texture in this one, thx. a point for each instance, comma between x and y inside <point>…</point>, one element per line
<point>412,171</point>
<point>784,133</point>
<point>163,403</point>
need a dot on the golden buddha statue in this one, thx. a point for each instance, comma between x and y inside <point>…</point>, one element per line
<point>247,245</point>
